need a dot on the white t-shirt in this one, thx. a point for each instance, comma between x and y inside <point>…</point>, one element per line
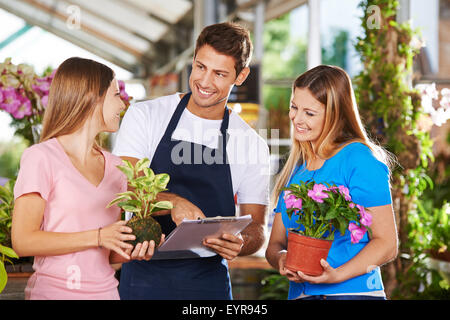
<point>145,123</point>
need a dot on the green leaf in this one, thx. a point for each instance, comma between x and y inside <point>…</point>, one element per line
<point>5,195</point>
<point>132,203</point>
<point>9,185</point>
<point>141,164</point>
<point>331,214</point>
<point>128,164</point>
<point>162,180</point>
<point>129,172</point>
<point>128,194</point>
<point>116,200</point>
<point>339,202</point>
<point>130,208</point>
<point>8,252</point>
<point>370,232</point>
<point>3,276</point>
<point>342,225</point>
<point>149,174</point>
<point>166,205</point>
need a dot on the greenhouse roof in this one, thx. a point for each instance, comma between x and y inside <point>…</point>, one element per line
<point>130,33</point>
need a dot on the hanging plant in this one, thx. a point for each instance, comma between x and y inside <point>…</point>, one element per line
<point>391,109</point>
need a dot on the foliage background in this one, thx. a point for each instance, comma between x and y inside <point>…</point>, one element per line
<point>391,110</point>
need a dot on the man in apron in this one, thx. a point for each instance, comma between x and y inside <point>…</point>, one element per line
<point>192,138</point>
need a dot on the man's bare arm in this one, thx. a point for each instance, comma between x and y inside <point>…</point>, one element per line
<point>254,234</point>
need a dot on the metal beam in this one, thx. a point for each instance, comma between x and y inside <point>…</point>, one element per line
<point>276,8</point>
<point>258,57</point>
<point>273,8</point>
<point>171,11</point>
<point>80,38</point>
<point>15,35</point>
<point>404,11</point>
<point>127,17</point>
<point>108,18</point>
<point>58,9</point>
<point>314,55</point>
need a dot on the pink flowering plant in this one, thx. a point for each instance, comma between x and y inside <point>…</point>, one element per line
<point>24,95</point>
<point>321,209</point>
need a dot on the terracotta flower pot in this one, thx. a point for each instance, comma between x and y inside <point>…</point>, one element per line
<point>304,253</point>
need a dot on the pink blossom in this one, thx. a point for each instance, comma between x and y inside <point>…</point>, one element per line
<point>121,84</point>
<point>357,233</point>
<point>124,96</point>
<point>42,88</point>
<point>10,100</point>
<point>440,116</point>
<point>292,201</point>
<point>123,93</point>
<point>317,193</point>
<point>24,109</point>
<point>1,96</point>
<point>445,93</point>
<point>334,189</point>
<point>429,90</point>
<point>345,192</point>
<point>366,218</point>
<point>445,102</point>
<point>44,101</point>
<point>351,205</point>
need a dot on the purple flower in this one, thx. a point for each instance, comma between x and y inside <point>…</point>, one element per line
<point>1,96</point>
<point>123,93</point>
<point>334,189</point>
<point>366,218</point>
<point>292,201</point>
<point>317,193</point>
<point>121,84</point>
<point>10,100</point>
<point>345,192</point>
<point>124,96</point>
<point>357,233</point>
<point>24,109</point>
<point>351,205</point>
<point>43,87</point>
<point>44,100</point>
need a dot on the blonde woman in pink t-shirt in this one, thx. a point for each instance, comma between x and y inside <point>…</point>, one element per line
<point>64,185</point>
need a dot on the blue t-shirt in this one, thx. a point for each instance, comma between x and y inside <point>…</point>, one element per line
<point>367,178</point>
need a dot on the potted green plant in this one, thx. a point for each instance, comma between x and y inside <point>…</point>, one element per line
<point>141,199</point>
<point>320,210</point>
<point>439,232</point>
<point>4,253</point>
<point>6,208</point>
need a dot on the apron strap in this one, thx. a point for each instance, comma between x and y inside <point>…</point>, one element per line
<point>176,117</point>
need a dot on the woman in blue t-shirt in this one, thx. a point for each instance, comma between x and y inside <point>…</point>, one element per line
<point>330,145</point>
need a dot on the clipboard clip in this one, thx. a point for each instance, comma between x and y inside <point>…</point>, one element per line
<point>216,219</point>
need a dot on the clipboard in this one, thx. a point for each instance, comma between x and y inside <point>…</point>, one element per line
<point>185,241</point>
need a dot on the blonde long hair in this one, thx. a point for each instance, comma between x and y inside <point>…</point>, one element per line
<point>332,87</point>
<point>78,86</point>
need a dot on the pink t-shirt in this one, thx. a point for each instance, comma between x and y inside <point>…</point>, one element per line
<point>73,205</point>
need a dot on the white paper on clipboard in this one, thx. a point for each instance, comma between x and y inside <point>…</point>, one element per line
<point>185,241</point>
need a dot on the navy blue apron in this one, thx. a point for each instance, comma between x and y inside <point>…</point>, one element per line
<point>208,185</point>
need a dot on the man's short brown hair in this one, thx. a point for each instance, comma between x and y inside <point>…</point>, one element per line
<point>230,39</point>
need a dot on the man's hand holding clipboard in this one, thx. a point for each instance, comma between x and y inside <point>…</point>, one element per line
<point>205,237</point>
<point>227,245</point>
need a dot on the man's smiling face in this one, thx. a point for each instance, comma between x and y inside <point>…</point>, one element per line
<point>212,78</point>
